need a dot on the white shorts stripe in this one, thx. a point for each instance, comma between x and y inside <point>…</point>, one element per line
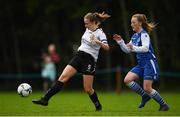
<point>153,65</point>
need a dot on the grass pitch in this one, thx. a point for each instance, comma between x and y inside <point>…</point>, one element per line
<point>78,103</point>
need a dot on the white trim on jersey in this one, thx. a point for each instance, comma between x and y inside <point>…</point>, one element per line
<point>104,40</point>
<point>153,55</point>
<point>145,40</point>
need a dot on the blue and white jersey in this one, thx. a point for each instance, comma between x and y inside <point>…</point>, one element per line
<point>141,46</point>
<point>86,44</point>
<point>147,66</point>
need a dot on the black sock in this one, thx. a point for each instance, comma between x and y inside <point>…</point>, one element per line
<point>94,99</point>
<point>53,90</point>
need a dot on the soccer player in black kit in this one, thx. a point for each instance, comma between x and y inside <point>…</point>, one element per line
<point>85,59</point>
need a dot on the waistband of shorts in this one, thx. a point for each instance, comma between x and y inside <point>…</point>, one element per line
<point>84,54</point>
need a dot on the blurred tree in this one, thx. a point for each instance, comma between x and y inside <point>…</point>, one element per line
<point>27,27</point>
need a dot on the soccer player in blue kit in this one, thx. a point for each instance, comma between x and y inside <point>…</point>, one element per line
<point>147,66</point>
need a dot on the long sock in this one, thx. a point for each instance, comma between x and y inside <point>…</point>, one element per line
<point>135,87</point>
<point>53,90</point>
<point>156,96</point>
<point>94,99</point>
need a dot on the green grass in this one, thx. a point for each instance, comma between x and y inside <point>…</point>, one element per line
<point>78,103</point>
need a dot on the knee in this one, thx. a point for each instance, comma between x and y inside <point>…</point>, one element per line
<point>63,78</point>
<point>127,80</point>
<point>147,89</point>
<point>88,90</point>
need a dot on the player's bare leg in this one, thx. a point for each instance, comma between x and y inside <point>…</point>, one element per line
<point>88,87</point>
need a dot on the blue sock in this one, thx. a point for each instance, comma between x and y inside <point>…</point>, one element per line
<point>135,87</point>
<point>156,96</point>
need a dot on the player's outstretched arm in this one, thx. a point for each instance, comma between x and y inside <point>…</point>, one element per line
<point>120,41</point>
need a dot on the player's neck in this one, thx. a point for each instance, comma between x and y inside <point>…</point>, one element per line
<point>93,28</point>
<point>139,30</point>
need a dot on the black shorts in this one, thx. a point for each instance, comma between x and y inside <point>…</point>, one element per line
<point>84,63</point>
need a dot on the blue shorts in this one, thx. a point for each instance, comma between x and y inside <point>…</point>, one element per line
<point>146,69</point>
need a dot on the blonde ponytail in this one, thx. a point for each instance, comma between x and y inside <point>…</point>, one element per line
<point>97,17</point>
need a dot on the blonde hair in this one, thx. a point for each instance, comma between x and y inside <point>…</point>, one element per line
<point>148,26</point>
<point>97,17</point>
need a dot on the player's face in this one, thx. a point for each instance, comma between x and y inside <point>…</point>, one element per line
<point>135,24</point>
<point>88,24</point>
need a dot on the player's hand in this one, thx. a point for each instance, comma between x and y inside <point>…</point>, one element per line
<point>129,45</point>
<point>94,40</point>
<point>117,37</point>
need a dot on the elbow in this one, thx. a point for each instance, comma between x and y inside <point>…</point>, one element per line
<point>127,52</point>
<point>146,49</point>
<point>106,47</point>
